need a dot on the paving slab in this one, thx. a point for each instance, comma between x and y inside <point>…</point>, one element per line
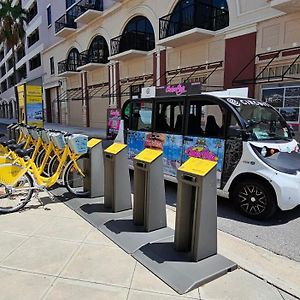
<point>77,290</point>
<point>19,223</point>
<point>239,285</point>
<point>9,242</point>
<point>101,264</point>
<point>95,237</point>
<point>16,285</point>
<point>144,280</point>
<point>41,255</point>
<point>64,228</point>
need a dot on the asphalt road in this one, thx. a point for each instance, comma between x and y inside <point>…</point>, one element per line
<point>281,234</point>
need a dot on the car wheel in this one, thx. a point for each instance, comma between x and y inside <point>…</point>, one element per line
<point>255,199</point>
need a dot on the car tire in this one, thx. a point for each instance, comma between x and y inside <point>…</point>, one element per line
<point>255,199</point>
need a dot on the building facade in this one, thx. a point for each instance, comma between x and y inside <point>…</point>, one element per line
<point>28,55</point>
<point>102,52</point>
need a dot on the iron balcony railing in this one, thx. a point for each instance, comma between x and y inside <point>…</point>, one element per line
<point>195,15</point>
<point>133,40</point>
<point>66,21</point>
<point>97,57</point>
<point>84,5</point>
<point>68,65</point>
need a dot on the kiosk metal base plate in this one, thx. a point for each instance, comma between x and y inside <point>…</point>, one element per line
<point>91,209</point>
<point>177,270</point>
<point>130,237</point>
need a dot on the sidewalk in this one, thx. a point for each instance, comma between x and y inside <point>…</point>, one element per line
<point>52,253</point>
<point>92,132</point>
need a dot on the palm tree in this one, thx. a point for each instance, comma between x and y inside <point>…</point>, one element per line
<point>12,32</point>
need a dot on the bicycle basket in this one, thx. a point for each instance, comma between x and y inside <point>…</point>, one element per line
<point>34,134</point>
<point>45,136</point>
<point>58,140</point>
<point>78,143</point>
<point>24,130</point>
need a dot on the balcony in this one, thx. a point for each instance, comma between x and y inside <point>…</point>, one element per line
<point>67,68</point>
<point>287,6</point>
<point>131,45</point>
<point>193,22</point>
<point>65,25</point>
<point>90,61</point>
<point>88,10</point>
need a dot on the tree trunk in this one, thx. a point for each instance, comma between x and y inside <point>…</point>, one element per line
<point>15,81</point>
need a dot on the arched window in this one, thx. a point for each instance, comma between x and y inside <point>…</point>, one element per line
<point>73,60</point>
<point>98,51</point>
<point>188,14</point>
<point>138,34</point>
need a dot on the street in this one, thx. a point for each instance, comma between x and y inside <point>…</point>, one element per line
<point>280,234</point>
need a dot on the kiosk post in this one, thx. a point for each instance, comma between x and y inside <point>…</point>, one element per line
<point>149,208</point>
<point>117,191</point>
<point>196,214</point>
<point>94,169</point>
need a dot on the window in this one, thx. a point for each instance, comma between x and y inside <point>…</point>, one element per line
<point>1,54</point>
<point>3,70</point>
<point>49,15</point>
<point>3,86</point>
<point>10,63</point>
<point>69,3</point>
<point>21,73</point>
<point>141,116</point>
<point>20,52</point>
<point>11,81</point>
<point>33,37</point>
<point>35,62</point>
<point>206,119</point>
<point>52,70</point>
<point>32,12</point>
<point>169,116</point>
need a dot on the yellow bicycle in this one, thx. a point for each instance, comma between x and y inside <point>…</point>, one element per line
<point>18,180</point>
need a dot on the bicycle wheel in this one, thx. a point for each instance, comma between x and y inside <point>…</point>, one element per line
<point>39,158</point>
<point>74,181</point>
<point>15,199</point>
<point>52,168</point>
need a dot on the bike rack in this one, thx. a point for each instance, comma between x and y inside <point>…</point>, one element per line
<point>94,169</point>
<point>189,259</point>
<point>117,193</point>
<point>149,208</point>
<point>9,131</point>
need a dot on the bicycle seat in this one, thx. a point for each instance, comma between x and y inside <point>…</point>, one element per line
<point>24,152</point>
<point>9,142</point>
<point>14,147</point>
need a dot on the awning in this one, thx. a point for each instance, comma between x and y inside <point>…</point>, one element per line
<point>269,58</point>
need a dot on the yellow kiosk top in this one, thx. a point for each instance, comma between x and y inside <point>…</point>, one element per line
<point>93,142</point>
<point>198,166</point>
<point>115,148</point>
<point>148,155</point>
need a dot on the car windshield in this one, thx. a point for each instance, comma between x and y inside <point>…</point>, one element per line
<point>263,121</point>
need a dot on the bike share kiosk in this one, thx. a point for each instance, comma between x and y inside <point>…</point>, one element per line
<point>117,193</point>
<point>189,259</point>
<point>93,169</point>
<point>196,209</point>
<point>149,208</point>
<point>147,221</point>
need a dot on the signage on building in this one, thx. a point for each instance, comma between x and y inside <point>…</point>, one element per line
<point>113,122</point>
<point>34,105</point>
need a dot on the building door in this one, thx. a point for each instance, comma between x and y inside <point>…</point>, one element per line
<point>48,106</point>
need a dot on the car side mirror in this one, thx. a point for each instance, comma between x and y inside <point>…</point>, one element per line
<point>292,131</point>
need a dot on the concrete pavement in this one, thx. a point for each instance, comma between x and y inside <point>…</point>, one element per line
<point>52,253</point>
